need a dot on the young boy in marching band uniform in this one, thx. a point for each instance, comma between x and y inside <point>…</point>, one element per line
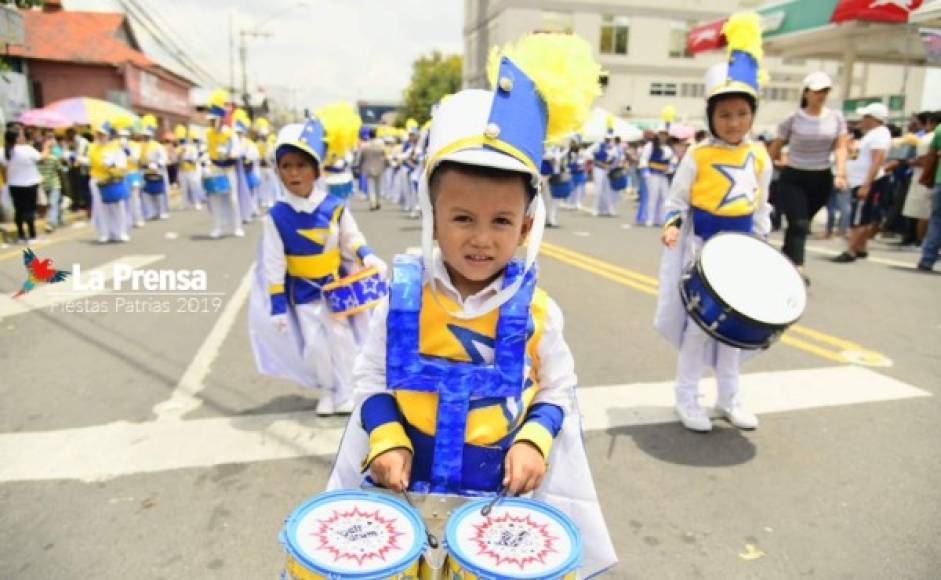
<point>134,177</point>
<point>310,239</point>
<point>190,175</point>
<point>265,140</point>
<point>466,381</point>
<point>655,166</point>
<point>108,164</point>
<point>153,163</point>
<point>223,148</point>
<point>720,185</point>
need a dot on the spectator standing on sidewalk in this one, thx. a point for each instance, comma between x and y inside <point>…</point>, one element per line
<point>23,178</point>
<point>50,165</point>
<point>813,133</point>
<point>932,176</point>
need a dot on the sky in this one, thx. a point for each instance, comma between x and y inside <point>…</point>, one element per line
<point>325,51</point>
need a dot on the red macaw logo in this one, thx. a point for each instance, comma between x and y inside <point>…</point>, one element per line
<point>39,272</point>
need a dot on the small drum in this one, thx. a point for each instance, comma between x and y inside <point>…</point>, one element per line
<point>352,534</point>
<point>561,185</point>
<point>342,190</point>
<point>742,291</point>
<point>618,178</point>
<point>113,191</point>
<point>154,183</point>
<point>253,179</point>
<point>520,538</point>
<point>134,178</point>
<point>545,168</point>
<point>355,293</point>
<point>217,183</point>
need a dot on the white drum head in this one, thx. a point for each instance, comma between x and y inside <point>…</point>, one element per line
<point>753,278</point>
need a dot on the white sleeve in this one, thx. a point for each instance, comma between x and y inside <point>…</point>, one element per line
<point>882,140</point>
<point>275,266</point>
<point>678,199</point>
<point>350,237</point>
<point>369,369</point>
<point>761,220</point>
<point>235,146</point>
<point>557,376</point>
<point>645,153</point>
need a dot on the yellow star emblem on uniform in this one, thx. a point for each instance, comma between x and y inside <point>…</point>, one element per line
<point>316,235</point>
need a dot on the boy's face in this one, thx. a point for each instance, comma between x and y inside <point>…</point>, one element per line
<point>479,223</point>
<point>297,172</point>
<point>732,119</point>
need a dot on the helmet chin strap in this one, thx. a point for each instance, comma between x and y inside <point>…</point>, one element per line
<point>536,210</point>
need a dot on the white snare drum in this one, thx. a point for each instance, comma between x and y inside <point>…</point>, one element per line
<point>742,291</point>
<point>519,538</point>
<point>353,534</point>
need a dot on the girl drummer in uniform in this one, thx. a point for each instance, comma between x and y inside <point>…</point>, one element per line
<point>721,185</point>
<point>308,240</point>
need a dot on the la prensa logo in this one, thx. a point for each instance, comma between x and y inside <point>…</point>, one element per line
<point>39,272</point>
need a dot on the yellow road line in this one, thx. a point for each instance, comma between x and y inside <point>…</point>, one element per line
<point>649,285</point>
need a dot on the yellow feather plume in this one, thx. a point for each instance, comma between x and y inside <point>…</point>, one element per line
<point>148,122</point>
<point>179,132</point>
<point>411,125</point>
<point>609,122</point>
<point>668,113</point>
<point>218,98</point>
<point>121,121</point>
<point>743,32</point>
<point>341,125</point>
<point>565,74</point>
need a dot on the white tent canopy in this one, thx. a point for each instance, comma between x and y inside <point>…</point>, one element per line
<point>597,126</point>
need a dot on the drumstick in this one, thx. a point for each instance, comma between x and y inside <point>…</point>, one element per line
<point>485,511</point>
<point>432,539</point>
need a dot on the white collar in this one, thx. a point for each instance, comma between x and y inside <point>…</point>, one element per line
<point>444,284</point>
<point>306,204</point>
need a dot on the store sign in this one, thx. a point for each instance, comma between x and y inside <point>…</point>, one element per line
<point>152,92</point>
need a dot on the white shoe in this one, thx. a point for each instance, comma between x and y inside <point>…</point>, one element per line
<point>164,216</point>
<point>693,417</point>
<point>124,238</point>
<point>325,406</point>
<point>344,408</point>
<point>738,415</point>
<point>215,234</point>
<point>139,224</point>
<point>198,207</point>
<point>101,240</point>
<point>239,233</point>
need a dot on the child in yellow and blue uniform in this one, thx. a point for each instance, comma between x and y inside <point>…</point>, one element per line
<point>310,239</point>
<point>223,148</point>
<point>467,383</point>
<point>721,185</point>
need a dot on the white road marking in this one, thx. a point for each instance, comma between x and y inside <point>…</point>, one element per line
<point>117,449</point>
<point>184,397</point>
<point>49,295</point>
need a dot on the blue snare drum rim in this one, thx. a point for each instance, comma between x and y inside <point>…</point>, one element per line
<point>289,533</point>
<point>774,330</point>
<point>571,563</point>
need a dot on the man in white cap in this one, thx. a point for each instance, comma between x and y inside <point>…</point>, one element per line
<point>867,179</point>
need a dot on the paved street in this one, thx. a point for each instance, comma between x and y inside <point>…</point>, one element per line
<point>142,443</point>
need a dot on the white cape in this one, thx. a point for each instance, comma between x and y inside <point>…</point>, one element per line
<point>568,484</point>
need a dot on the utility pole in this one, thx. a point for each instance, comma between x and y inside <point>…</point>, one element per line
<point>243,55</point>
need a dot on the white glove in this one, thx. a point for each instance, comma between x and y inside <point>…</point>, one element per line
<point>374,261</point>
<point>280,323</point>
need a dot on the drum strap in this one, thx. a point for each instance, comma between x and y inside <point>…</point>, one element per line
<point>456,382</point>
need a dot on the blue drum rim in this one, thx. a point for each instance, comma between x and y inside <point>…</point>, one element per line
<point>289,532</point>
<point>777,329</point>
<point>570,564</point>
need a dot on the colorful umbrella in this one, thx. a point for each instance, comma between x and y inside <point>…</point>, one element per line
<point>44,118</point>
<point>88,111</point>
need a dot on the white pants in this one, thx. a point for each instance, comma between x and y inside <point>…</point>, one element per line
<point>110,219</point>
<point>599,176</point>
<point>191,189</point>
<point>154,205</point>
<point>224,207</point>
<point>135,214</point>
<point>658,188</point>
<point>578,194</point>
<point>552,209</point>
<point>695,351</point>
<point>330,348</point>
<point>373,189</point>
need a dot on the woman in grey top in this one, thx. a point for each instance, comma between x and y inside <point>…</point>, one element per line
<point>812,133</point>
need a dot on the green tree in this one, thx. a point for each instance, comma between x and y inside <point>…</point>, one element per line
<point>432,77</point>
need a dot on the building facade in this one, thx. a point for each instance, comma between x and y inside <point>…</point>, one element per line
<point>641,44</point>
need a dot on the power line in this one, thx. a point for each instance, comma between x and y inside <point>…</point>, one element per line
<point>154,29</point>
<point>180,40</point>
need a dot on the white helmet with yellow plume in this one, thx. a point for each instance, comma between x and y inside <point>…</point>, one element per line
<point>741,74</point>
<point>544,86</point>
